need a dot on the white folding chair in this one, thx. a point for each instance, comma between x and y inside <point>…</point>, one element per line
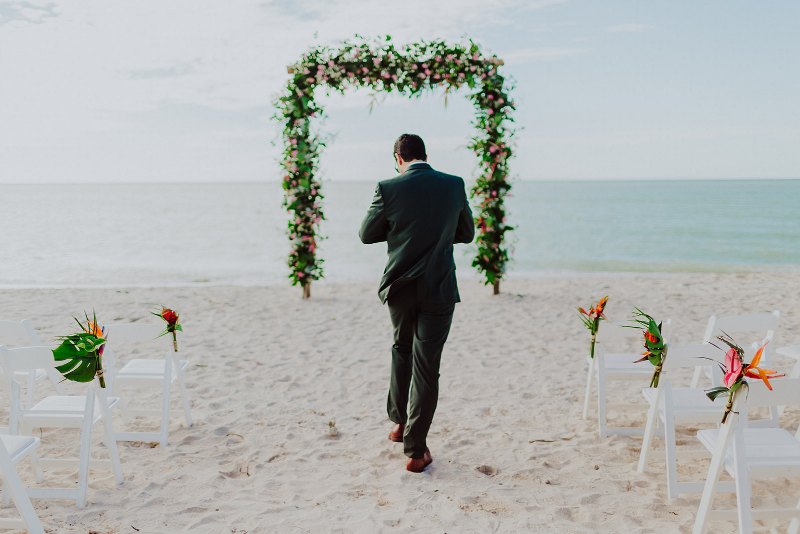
<point>23,334</point>
<point>146,372</point>
<point>748,329</point>
<point>670,406</point>
<point>61,411</point>
<point>608,366</point>
<point>750,453</point>
<point>12,450</point>
<point>793,352</point>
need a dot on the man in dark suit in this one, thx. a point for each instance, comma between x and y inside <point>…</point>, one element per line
<point>420,213</point>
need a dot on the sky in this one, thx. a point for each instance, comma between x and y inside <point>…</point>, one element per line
<point>182,90</point>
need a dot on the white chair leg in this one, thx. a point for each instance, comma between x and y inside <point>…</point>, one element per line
<point>794,526</point>
<point>29,395</point>
<point>85,450</point>
<point>649,432</point>
<point>13,486</point>
<point>588,393</point>
<point>712,479</point>
<point>670,446</point>
<point>110,439</point>
<point>742,481</point>
<point>37,467</point>
<point>185,401</point>
<point>601,393</point>
<point>165,401</point>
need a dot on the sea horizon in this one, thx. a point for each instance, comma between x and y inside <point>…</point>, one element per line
<point>149,234</point>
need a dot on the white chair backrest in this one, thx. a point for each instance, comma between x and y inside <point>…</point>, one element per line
<point>124,333</point>
<point>617,335</point>
<point>785,392</point>
<point>26,358</point>
<point>692,355</point>
<point>762,324</point>
<point>18,334</point>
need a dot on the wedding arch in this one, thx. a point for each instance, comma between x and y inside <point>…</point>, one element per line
<point>409,70</point>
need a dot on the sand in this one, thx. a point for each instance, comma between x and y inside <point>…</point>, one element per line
<point>272,373</point>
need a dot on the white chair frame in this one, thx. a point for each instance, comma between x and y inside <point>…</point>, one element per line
<point>765,323</point>
<point>670,406</point>
<point>12,450</point>
<point>23,334</point>
<point>50,412</point>
<point>746,452</point>
<point>147,372</point>
<point>606,366</point>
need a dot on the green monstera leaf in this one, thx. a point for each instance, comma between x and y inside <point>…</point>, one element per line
<point>81,356</point>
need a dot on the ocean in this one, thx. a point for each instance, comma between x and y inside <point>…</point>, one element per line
<point>171,234</point>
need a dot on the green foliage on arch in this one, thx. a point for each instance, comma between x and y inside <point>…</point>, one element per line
<point>409,70</point>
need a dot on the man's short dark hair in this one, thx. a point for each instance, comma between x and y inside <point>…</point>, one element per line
<point>410,147</point>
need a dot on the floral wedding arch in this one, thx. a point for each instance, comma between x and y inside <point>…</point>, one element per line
<point>410,70</point>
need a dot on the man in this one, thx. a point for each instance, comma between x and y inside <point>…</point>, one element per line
<point>420,214</point>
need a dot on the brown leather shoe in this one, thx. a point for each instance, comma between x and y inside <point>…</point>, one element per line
<point>418,465</point>
<point>396,434</point>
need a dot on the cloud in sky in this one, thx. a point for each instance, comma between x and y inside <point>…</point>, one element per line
<point>542,53</point>
<point>183,89</point>
<point>632,27</point>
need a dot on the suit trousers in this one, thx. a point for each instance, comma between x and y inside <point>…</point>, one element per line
<point>420,331</point>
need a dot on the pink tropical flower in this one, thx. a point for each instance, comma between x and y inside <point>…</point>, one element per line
<point>733,367</point>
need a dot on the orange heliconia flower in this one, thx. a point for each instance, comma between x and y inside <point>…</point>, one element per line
<point>754,371</point>
<point>596,310</point>
<point>95,329</point>
<point>601,305</point>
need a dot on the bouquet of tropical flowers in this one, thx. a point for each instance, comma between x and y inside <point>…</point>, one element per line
<point>82,352</point>
<point>736,370</point>
<point>591,320</point>
<point>173,326</point>
<point>655,348</point>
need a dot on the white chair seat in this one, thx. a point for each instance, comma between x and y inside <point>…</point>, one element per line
<point>770,452</point>
<point>19,446</point>
<point>142,368</point>
<point>51,410</point>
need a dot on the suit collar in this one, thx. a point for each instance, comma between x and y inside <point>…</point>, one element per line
<point>418,165</point>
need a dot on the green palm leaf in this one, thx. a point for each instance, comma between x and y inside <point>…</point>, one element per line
<point>79,352</point>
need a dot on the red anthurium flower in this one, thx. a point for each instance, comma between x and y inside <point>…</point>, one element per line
<point>650,337</point>
<point>170,316</point>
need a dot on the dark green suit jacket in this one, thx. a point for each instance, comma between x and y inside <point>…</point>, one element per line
<point>420,214</point>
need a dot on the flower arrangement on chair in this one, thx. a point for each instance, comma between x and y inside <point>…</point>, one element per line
<point>735,371</point>
<point>173,326</point>
<point>591,320</point>
<point>82,352</point>
<point>655,348</point>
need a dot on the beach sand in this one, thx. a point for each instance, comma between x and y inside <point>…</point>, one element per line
<point>511,451</point>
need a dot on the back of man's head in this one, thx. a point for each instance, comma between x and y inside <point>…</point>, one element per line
<point>410,147</point>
